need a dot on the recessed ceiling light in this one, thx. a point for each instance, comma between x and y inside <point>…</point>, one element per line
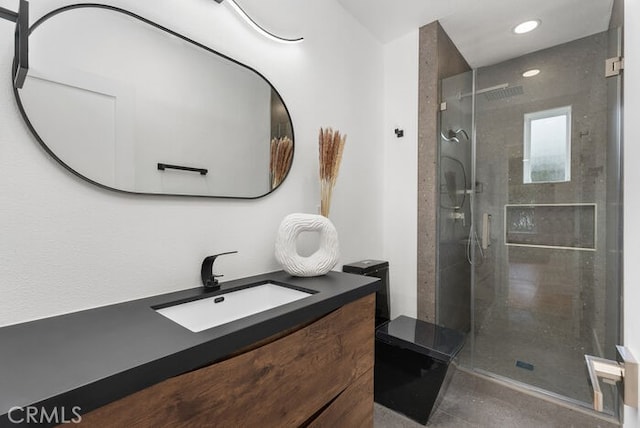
<point>531,73</point>
<point>526,26</point>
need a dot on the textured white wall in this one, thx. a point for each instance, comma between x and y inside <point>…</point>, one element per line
<point>401,173</point>
<point>66,245</point>
<point>631,195</point>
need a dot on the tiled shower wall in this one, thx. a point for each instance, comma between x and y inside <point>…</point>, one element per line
<point>438,59</point>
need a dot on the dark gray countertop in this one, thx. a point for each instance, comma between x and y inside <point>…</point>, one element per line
<point>90,358</point>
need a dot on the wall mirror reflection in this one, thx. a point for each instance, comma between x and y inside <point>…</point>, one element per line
<point>146,110</point>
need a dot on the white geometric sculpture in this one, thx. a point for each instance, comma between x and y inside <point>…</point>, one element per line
<point>320,262</point>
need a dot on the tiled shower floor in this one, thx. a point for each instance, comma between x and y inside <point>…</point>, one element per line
<point>528,330</point>
<point>549,361</point>
<point>473,401</point>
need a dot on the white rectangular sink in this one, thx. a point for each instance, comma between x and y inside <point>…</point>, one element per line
<point>220,309</point>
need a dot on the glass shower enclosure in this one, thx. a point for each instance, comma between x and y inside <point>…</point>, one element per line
<point>530,208</point>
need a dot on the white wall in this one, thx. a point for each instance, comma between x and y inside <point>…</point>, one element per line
<point>631,195</point>
<point>401,173</point>
<point>66,245</point>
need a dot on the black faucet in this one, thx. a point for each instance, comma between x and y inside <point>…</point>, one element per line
<point>209,279</point>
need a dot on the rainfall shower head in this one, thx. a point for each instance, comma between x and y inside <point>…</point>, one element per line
<point>503,93</point>
<point>452,135</point>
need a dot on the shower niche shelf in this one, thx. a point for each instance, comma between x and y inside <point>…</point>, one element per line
<point>566,226</point>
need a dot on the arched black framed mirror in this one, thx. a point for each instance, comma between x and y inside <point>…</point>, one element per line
<point>132,106</point>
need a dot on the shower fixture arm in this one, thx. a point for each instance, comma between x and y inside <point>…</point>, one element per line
<point>451,138</point>
<point>453,135</point>
<point>463,132</point>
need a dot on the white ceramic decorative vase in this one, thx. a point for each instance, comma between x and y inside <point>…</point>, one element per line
<point>320,262</point>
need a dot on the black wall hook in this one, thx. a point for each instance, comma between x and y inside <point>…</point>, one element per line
<point>399,132</point>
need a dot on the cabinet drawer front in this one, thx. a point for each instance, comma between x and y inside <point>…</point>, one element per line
<point>352,408</point>
<point>282,383</point>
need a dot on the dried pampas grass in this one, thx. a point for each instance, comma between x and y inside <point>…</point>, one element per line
<point>281,155</point>
<point>331,148</point>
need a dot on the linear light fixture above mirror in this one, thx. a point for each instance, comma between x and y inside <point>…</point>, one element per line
<point>256,26</point>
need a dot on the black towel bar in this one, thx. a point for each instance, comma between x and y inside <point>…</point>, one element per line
<point>163,166</point>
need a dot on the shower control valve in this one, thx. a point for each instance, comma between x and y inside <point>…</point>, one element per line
<point>457,216</point>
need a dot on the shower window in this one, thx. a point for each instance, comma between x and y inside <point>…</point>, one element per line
<point>547,146</point>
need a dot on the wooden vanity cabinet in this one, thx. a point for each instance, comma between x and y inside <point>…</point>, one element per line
<point>320,375</point>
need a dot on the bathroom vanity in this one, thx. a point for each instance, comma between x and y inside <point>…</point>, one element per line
<point>308,362</point>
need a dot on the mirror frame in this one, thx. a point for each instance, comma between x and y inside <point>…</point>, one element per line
<point>57,11</point>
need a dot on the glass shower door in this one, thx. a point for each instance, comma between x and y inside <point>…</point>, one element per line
<point>547,200</point>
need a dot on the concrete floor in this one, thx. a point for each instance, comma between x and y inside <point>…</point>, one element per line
<point>473,401</point>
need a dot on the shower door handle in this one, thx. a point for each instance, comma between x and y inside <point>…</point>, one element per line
<point>624,371</point>
<point>486,231</point>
